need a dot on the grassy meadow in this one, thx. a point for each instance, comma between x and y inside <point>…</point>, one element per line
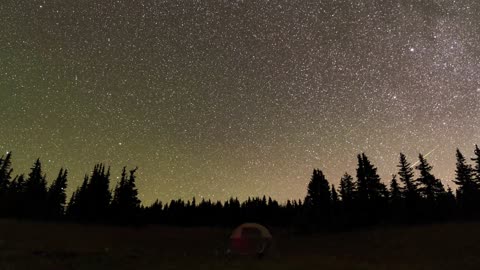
<point>32,245</point>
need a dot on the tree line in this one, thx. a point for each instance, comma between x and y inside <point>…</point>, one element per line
<point>357,201</point>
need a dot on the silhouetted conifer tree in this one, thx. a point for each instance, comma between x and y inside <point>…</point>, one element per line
<point>5,173</point>
<point>77,207</point>
<point>447,205</point>
<point>97,194</point>
<point>396,199</point>
<point>410,186</point>
<point>125,203</point>
<point>347,191</point>
<point>35,192</point>
<point>468,189</point>
<point>318,199</point>
<point>5,178</point>
<point>476,168</point>
<point>370,187</point>
<point>372,194</point>
<point>430,188</point>
<point>56,196</point>
<point>395,192</point>
<point>16,197</point>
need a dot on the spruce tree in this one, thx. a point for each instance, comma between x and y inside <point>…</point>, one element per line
<point>405,171</point>
<point>97,194</point>
<point>429,186</point>
<point>318,191</point>
<point>372,194</point>
<point>395,192</point>
<point>35,192</point>
<point>5,179</point>
<point>370,187</point>
<point>56,195</point>
<point>125,201</point>
<point>362,186</point>
<point>468,189</point>
<point>5,173</point>
<point>347,190</point>
<point>396,199</point>
<point>476,169</point>
<point>77,207</point>
<point>318,199</point>
<point>16,196</point>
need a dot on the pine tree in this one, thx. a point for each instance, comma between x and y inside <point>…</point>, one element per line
<point>370,187</point>
<point>318,192</point>
<point>468,189</point>
<point>476,169</point>
<point>97,193</point>
<point>5,178</point>
<point>35,192</point>
<point>16,196</point>
<point>447,204</point>
<point>362,186</point>
<point>405,171</point>
<point>396,200</point>
<point>395,192</point>
<point>5,173</point>
<point>77,206</point>
<point>430,187</point>
<point>347,191</point>
<point>372,194</point>
<point>56,195</point>
<point>318,199</point>
<point>125,201</point>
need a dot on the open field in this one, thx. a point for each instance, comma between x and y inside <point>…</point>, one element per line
<point>28,245</point>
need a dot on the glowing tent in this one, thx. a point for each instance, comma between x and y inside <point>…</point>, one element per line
<point>250,239</point>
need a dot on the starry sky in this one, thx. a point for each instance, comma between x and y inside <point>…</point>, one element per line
<point>237,98</point>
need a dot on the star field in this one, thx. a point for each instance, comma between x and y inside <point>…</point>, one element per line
<point>237,98</point>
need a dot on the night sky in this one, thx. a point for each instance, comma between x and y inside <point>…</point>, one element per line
<point>237,98</point>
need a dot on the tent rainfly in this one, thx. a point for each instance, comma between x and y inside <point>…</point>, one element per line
<point>250,239</point>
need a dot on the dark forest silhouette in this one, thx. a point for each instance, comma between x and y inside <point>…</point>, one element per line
<point>360,201</point>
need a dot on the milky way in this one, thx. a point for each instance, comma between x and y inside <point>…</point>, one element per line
<point>237,98</point>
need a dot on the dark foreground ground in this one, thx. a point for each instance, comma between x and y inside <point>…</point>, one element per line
<point>27,245</point>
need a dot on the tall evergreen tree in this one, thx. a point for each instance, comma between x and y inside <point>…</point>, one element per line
<point>125,201</point>
<point>77,207</point>
<point>35,192</point>
<point>395,192</point>
<point>396,200</point>
<point>372,194</point>
<point>16,198</point>
<point>370,187</point>
<point>5,178</point>
<point>476,168</point>
<point>405,171</point>
<point>362,186</point>
<point>97,193</point>
<point>430,187</point>
<point>56,196</point>
<point>468,189</point>
<point>5,173</point>
<point>347,190</point>
<point>318,199</point>
<point>318,191</point>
